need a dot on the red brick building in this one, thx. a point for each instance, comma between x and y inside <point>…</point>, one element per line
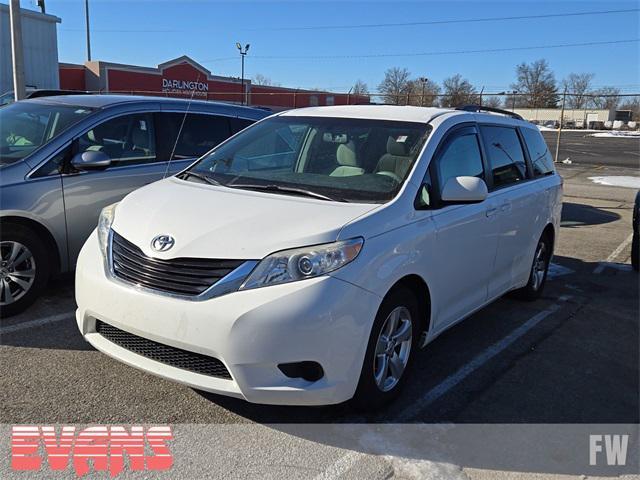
<point>183,77</point>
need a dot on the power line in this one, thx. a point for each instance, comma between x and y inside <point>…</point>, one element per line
<point>441,52</point>
<point>447,22</point>
<point>375,25</point>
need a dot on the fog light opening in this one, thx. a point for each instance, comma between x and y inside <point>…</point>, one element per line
<point>309,371</point>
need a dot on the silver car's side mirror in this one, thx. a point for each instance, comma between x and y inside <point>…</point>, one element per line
<point>91,160</point>
<point>464,190</point>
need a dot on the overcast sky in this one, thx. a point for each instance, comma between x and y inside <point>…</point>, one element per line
<point>151,32</point>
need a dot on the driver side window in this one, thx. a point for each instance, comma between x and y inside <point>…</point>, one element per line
<point>127,140</point>
<point>461,158</point>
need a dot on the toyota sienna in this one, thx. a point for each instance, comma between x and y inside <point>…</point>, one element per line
<point>305,260</point>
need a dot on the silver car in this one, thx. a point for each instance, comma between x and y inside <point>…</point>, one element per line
<point>62,159</point>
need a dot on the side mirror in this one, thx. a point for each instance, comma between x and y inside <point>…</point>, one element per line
<point>464,190</point>
<point>91,160</point>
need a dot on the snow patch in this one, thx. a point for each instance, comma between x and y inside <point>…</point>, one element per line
<point>626,181</point>
<point>627,134</point>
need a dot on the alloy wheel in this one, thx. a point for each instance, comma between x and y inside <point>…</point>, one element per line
<point>392,349</point>
<point>539,266</point>
<point>17,271</point>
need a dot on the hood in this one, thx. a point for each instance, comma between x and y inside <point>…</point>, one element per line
<point>216,222</point>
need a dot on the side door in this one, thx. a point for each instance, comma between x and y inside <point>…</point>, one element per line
<point>517,199</point>
<point>183,138</point>
<point>466,234</point>
<point>130,142</point>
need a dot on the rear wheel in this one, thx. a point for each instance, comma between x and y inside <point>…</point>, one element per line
<point>538,274</point>
<point>389,351</point>
<point>24,269</point>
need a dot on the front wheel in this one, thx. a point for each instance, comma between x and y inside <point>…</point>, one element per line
<point>389,351</point>
<point>635,251</point>
<point>538,274</point>
<point>24,269</point>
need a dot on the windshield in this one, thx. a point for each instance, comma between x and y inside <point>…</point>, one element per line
<point>340,158</point>
<point>25,126</point>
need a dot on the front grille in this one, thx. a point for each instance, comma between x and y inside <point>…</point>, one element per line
<point>181,276</point>
<point>175,357</point>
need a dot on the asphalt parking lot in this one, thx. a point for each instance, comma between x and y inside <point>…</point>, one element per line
<point>569,358</point>
<point>579,147</point>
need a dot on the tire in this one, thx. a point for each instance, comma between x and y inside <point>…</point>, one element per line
<point>539,269</point>
<point>635,251</point>
<point>24,268</point>
<point>373,394</point>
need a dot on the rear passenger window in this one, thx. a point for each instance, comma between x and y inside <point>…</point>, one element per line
<point>461,158</point>
<point>505,155</point>
<point>238,124</point>
<point>541,158</point>
<point>200,133</point>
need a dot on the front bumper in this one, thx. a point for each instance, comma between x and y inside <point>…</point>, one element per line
<point>325,320</point>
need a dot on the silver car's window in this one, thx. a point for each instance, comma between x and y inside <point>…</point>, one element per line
<point>26,126</point>
<point>343,158</point>
<point>126,140</point>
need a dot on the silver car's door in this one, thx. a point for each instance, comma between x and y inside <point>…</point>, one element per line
<point>129,141</point>
<point>140,146</point>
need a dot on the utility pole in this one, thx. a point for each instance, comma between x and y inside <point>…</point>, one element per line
<point>564,98</point>
<point>481,92</point>
<point>243,53</point>
<point>17,50</point>
<point>513,100</point>
<point>86,18</point>
<point>423,81</point>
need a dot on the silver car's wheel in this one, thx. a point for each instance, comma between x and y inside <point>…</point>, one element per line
<point>539,269</point>
<point>393,348</point>
<point>17,271</point>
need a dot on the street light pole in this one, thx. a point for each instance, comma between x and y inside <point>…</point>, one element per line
<point>86,18</point>
<point>243,53</point>
<point>17,52</point>
<point>423,80</point>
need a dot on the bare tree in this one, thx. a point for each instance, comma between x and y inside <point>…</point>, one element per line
<point>260,79</point>
<point>605,98</point>
<point>577,86</point>
<point>536,85</point>
<point>395,86</point>
<point>492,101</point>
<point>423,92</point>
<point>360,88</point>
<point>458,91</point>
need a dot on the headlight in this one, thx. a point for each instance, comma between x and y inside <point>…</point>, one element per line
<point>302,263</point>
<point>104,225</point>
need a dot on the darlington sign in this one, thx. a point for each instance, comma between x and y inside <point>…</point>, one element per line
<point>184,85</point>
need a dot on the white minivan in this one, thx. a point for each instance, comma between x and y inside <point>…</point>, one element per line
<point>306,259</point>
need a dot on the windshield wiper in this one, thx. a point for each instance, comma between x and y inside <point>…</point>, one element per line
<point>184,175</point>
<point>292,190</point>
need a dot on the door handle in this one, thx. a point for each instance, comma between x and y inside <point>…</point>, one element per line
<point>505,207</point>
<point>491,211</point>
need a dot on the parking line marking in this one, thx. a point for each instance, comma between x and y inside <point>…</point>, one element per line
<point>598,270</point>
<point>36,323</point>
<point>453,380</point>
<point>340,466</point>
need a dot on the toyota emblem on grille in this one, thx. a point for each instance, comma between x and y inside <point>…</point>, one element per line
<point>162,243</point>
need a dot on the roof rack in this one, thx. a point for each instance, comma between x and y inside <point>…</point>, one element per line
<point>482,108</point>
